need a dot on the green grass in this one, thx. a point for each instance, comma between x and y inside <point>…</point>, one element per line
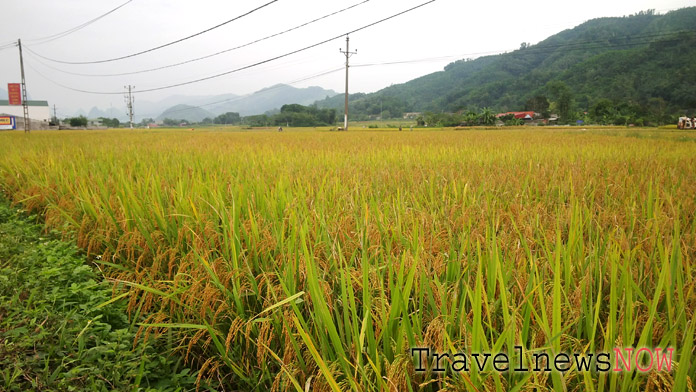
<point>60,329</point>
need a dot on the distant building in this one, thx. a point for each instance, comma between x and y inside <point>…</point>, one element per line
<point>411,116</point>
<point>38,111</point>
<point>520,115</point>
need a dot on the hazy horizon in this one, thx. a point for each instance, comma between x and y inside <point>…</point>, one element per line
<point>426,39</point>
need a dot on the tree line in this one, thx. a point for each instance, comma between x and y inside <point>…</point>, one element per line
<point>293,115</point>
<point>633,70</point>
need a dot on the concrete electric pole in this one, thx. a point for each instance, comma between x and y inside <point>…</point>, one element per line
<point>129,104</point>
<point>27,124</point>
<point>347,53</point>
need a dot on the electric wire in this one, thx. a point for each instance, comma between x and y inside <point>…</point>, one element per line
<point>528,50</point>
<point>288,53</point>
<point>545,48</point>
<point>207,56</point>
<point>164,45</point>
<point>532,50</point>
<point>535,49</point>
<point>642,37</point>
<point>277,86</point>
<point>65,33</point>
<point>423,60</point>
<point>259,62</point>
<point>26,64</point>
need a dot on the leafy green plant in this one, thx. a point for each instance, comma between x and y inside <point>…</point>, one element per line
<point>60,329</point>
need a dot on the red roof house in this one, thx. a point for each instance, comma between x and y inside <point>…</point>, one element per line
<point>519,115</point>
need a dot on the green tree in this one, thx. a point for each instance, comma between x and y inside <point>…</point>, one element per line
<point>304,116</point>
<point>562,98</point>
<point>229,118</point>
<point>657,108</point>
<point>80,121</point>
<point>171,122</point>
<point>110,122</point>
<point>430,119</point>
<point>295,108</point>
<point>539,104</point>
<point>260,120</point>
<point>471,118</point>
<point>146,121</point>
<point>327,116</point>
<point>603,112</point>
<point>487,117</point>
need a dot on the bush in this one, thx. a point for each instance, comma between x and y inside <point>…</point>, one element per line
<point>60,330</point>
<point>80,121</point>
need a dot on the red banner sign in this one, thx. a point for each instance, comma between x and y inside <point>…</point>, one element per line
<point>14,93</point>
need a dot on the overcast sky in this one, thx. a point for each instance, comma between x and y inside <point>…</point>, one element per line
<point>427,39</point>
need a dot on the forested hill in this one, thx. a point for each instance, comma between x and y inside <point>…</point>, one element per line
<point>645,61</point>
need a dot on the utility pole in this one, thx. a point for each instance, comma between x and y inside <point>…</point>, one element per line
<point>347,53</point>
<point>129,104</point>
<point>27,125</point>
<point>55,115</point>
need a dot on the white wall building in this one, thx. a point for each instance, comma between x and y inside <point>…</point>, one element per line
<point>38,110</point>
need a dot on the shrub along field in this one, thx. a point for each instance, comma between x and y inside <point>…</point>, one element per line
<point>60,329</point>
<point>314,259</point>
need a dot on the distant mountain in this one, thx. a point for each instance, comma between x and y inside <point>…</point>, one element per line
<point>95,113</point>
<point>185,112</point>
<point>272,98</point>
<point>645,60</point>
<point>148,109</point>
<point>181,107</point>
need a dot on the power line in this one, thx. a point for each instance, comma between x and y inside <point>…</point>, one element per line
<point>67,87</point>
<point>207,56</point>
<point>76,28</point>
<point>424,60</point>
<point>260,62</point>
<point>599,43</point>
<point>289,53</point>
<point>161,46</point>
<point>536,49</point>
<point>304,79</point>
<point>544,49</point>
<point>585,45</point>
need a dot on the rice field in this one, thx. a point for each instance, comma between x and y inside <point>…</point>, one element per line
<point>314,260</point>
